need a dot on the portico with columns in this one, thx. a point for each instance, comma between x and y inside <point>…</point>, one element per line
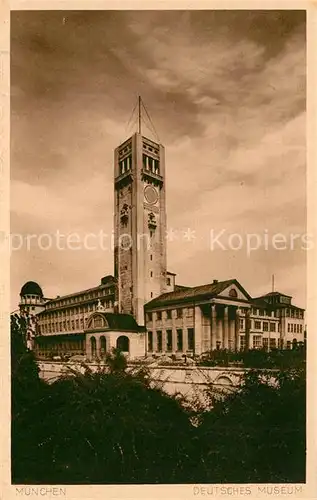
<point>210,313</point>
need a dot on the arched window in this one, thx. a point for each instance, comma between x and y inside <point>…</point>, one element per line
<point>93,347</point>
<point>103,345</point>
<point>233,293</point>
<point>123,343</point>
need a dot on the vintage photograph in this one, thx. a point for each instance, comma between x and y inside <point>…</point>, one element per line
<point>158,247</point>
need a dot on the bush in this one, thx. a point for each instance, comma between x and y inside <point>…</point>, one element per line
<point>256,434</point>
<point>112,427</point>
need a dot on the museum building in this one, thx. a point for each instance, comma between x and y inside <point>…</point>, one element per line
<point>141,310</point>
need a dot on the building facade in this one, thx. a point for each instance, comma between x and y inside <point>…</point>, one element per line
<point>140,309</point>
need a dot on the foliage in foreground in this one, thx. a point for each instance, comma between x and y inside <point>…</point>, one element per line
<point>114,428</point>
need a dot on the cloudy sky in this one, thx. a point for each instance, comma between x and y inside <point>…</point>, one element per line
<point>226,93</point>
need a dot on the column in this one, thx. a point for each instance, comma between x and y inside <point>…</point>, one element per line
<point>219,323</point>
<point>226,328</point>
<point>164,336</point>
<point>174,340</point>
<point>213,327</point>
<point>231,332</point>
<point>198,330</point>
<point>237,330</point>
<point>154,341</point>
<point>185,339</point>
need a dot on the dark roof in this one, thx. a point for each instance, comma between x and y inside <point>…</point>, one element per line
<point>31,288</point>
<point>80,292</point>
<point>107,279</point>
<point>186,294</point>
<point>180,287</point>
<point>270,294</point>
<point>120,322</point>
<point>260,302</point>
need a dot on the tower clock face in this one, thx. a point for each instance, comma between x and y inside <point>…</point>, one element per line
<point>151,195</point>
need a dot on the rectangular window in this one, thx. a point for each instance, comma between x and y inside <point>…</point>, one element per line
<point>179,340</point>
<point>190,339</point>
<point>257,341</point>
<point>150,341</point>
<point>301,328</point>
<point>257,325</point>
<point>265,326</point>
<point>241,324</point>
<point>159,341</point>
<point>159,315</point>
<point>169,340</point>
<point>254,311</point>
<point>273,343</point>
<point>242,341</point>
<point>179,313</point>
<point>151,274</point>
<point>168,281</point>
<point>272,327</point>
<point>149,316</point>
<point>265,342</point>
<point>169,314</point>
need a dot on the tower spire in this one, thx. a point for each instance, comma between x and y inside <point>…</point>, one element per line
<point>139,113</point>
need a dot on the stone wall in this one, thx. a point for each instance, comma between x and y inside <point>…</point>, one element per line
<point>189,381</point>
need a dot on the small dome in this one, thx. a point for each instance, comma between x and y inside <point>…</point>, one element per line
<point>31,288</point>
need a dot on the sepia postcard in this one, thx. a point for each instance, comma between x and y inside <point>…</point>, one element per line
<point>157,239</point>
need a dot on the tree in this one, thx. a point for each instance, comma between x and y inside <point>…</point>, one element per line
<point>26,393</point>
<point>107,428</point>
<point>257,434</point>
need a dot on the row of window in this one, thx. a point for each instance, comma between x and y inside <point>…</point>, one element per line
<point>152,149</point>
<point>294,313</point>
<point>151,164</point>
<point>294,328</point>
<point>75,310</point>
<point>96,294</point>
<point>125,165</point>
<point>169,314</point>
<point>264,312</point>
<point>67,345</point>
<point>272,343</point>
<point>264,326</point>
<point>165,342</point>
<point>289,313</point>
<point>62,326</point>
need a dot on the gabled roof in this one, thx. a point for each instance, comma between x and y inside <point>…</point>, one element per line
<point>189,294</point>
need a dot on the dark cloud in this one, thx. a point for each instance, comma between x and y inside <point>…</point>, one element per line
<point>226,93</point>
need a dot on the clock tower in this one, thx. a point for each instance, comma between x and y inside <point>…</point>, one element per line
<point>139,223</point>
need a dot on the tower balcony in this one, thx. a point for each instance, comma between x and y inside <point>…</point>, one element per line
<point>152,177</point>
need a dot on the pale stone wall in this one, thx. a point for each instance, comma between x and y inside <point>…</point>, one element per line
<point>190,381</point>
